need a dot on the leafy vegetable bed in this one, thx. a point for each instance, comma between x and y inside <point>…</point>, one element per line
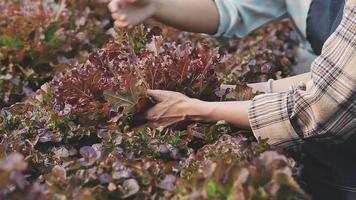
<point>81,135</point>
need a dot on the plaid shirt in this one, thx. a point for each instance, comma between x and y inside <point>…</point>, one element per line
<point>323,109</point>
<point>240,17</point>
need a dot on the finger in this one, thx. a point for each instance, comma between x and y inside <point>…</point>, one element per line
<point>121,24</point>
<point>115,16</point>
<point>159,111</point>
<point>153,113</point>
<point>162,95</point>
<point>123,2</point>
<point>113,6</point>
<point>158,95</point>
<point>120,17</point>
<point>168,93</point>
<point>130,27</point>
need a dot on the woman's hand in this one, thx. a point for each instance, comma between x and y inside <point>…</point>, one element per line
<point>171,108</point>
<point>129,13</point>
<point>174,107</point>
<point>190,15</point>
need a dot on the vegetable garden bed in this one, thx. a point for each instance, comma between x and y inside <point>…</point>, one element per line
<point>73,93</point>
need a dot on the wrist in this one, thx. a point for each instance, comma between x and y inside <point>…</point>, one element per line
<point>197,110</point>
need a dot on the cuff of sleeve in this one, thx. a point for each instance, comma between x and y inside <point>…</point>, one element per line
<point>270,119</point>
<point>224,18</point>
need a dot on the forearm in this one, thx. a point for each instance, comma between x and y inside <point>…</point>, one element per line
<point>195,16</point>
<point>283,85</point>
<point>280,85</point>
<point>234,112</point>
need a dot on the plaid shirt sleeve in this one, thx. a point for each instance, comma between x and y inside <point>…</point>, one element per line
<point>324,109</point>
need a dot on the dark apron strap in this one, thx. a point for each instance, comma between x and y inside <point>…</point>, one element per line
<point>323,18</point>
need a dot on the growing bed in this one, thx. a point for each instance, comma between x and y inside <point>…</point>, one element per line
<point>73,91</point>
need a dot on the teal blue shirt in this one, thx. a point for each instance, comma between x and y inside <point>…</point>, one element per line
<point>240,17</point>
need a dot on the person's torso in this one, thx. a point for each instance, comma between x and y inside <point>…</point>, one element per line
<point>324,16</point>
<point>332,163</point>
<point>315,20</point>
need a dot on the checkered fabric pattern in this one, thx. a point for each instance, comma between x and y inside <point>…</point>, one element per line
<point>325,108</point>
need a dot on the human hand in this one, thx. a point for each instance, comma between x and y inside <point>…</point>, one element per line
<point>171,108</point>
<point>129,13</point>
<point>174,107</point>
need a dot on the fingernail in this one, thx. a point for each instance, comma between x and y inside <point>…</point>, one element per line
<point>122,17</point>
